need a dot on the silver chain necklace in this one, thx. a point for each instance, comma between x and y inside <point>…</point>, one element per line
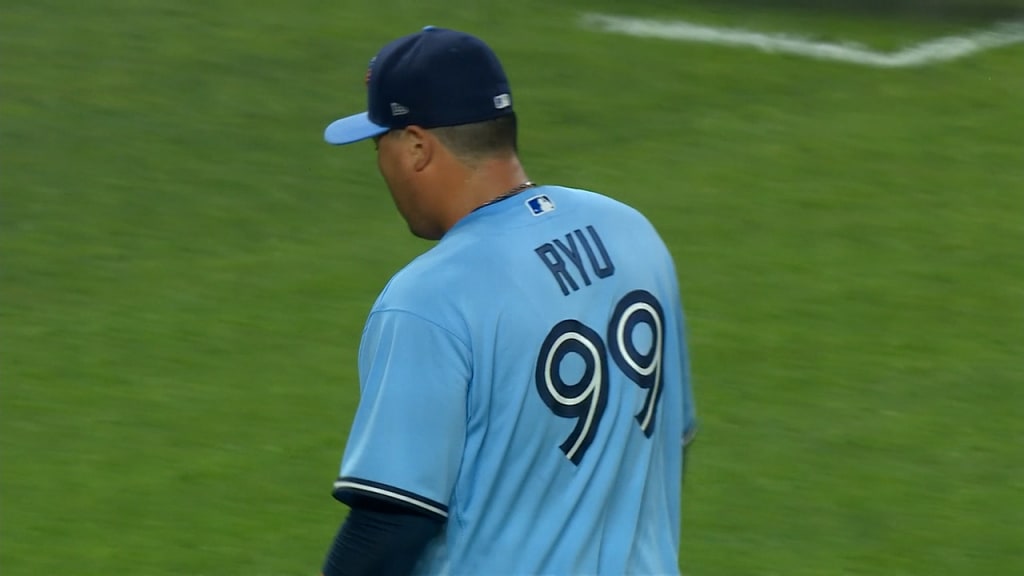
<point>524,186</point>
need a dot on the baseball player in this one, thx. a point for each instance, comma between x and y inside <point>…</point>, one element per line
<point>525,398</point>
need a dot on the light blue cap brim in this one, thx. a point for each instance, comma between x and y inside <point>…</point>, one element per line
<point>352,129</point>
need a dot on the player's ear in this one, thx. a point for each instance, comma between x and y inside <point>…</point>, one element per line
<point>420,147</point>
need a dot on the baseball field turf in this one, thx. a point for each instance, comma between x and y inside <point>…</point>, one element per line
<point>185,268</point>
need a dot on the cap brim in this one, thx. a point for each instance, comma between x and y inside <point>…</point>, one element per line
<point>352,129</point>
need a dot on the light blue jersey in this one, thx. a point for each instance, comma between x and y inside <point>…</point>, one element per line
<point>527,380</point>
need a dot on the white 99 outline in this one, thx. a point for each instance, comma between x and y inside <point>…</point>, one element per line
<point>640,307</point>
<point>587,399</point>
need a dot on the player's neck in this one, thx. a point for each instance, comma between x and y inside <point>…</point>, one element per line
<point>483,183</point>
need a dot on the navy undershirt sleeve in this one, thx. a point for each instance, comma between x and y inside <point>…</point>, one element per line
<point>381,540</point>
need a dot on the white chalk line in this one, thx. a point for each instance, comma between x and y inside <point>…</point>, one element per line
<point>933,51</point>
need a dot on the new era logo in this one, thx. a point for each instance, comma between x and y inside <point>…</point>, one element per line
<point>502,101</point>
<point>540,205</point>
<point>398,110</point>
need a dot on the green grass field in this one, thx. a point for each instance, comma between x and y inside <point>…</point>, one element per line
<point>185,269</point>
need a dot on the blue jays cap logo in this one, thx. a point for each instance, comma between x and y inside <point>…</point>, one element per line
<point>369,71</point>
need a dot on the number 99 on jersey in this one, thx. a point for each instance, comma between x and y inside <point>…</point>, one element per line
<point>586,399</point>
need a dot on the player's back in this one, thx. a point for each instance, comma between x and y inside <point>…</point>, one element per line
<point>579,394</point>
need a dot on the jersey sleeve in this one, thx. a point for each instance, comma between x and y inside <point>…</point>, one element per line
<point>690,412</point>
<point>405,445</point>
<point>689,404</point>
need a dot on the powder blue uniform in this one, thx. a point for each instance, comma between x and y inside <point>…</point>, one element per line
<point>527,380</point>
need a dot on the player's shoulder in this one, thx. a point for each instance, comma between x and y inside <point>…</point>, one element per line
<point>604,209</point>
<point>589,197</point>
<point>423,285</point>
<point>596,203</point>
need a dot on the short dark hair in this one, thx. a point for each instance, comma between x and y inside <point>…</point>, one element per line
<point>480,140</point>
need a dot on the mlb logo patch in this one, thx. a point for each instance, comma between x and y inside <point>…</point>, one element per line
<point>540,204</point>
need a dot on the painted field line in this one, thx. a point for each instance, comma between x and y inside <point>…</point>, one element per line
<point>937,50</point>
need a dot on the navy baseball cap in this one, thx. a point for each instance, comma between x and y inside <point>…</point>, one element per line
<point>436,77</point>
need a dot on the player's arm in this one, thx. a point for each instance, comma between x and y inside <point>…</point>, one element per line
<point>405,446</point>
<point>690,433</point>
<point>380,539</point>
<point>688,437</point>
<point>690,424</point>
